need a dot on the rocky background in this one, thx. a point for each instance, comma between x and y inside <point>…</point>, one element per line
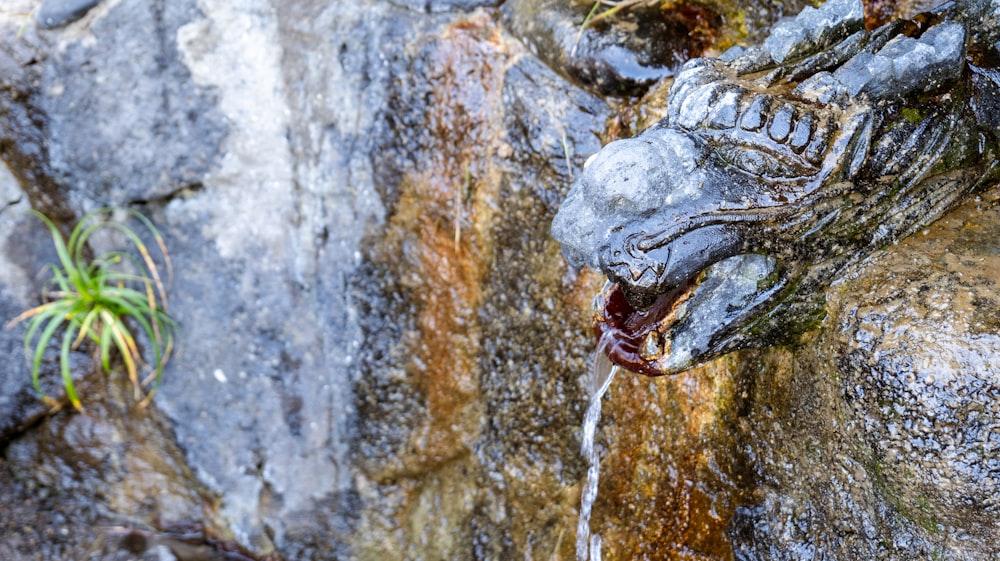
<point>383,355</point>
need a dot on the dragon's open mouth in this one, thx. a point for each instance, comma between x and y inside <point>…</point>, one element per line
<point>685,322</point>
<point>633,338</point>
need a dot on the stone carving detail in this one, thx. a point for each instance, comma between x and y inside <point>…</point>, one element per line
<point>776,166</point>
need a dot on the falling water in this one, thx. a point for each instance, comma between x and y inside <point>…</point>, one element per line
<point>587,546</point>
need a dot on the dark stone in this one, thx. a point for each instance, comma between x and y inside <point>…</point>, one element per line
<point>517,131</point>
<point>24,145</point>
<point>133,80</point>
<point>308,277</point>
<point>25,249</point>
<point>877,438</point>
<point>920,368</point>
<point>624,54</point>
<point>57,13</point>
<point>814,29</point>
<point>543,117</point>
<point>434,6</point>
<point>622,57</point>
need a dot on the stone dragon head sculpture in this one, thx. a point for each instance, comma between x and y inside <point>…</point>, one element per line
<point>719,227</point>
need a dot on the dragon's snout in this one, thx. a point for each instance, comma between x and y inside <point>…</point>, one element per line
<point>629,180</point>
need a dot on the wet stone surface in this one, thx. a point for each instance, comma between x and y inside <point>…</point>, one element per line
<point>311,442</point>
<point>444,5</point>
<point>807,491</point>
<point>625,53</point>
<point>26,248</point>
<point>622,56</point>
<point>135,78</point>
<point>669,481</point>
<point>74,485</point>
<point>874,439</point>
<point>919,353</point>
<point>457,378</point>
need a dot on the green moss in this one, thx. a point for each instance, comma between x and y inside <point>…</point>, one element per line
<point>920,512</point>
<point>915,508</point>
<point>912,115</point>
<point>736,29</point>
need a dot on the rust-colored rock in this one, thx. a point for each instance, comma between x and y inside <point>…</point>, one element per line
<point>665,489</point>
<point>437,241</point>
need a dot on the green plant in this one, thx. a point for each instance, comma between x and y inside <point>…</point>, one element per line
<point>96,299</point>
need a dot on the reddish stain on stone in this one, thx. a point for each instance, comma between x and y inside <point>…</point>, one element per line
<point>438,237</point>
<point>662,495</point>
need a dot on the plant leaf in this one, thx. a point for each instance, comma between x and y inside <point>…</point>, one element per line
<point>67,375</point>
<point>43,343</point>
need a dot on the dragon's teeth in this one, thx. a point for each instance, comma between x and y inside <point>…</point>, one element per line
<point>755,115</point>
<point>781,123</point>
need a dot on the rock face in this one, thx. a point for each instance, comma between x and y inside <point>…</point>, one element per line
<point>877,440</point>
<point>381,349</point>
<point>918,355</point>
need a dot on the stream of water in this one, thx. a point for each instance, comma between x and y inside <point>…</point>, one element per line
<point>589,546</point>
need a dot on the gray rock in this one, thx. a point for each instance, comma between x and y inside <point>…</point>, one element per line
<point>517,342</point>
<point>275,146</point>
<point>132,80</point>
<point>635,50</point>
<point>16,294</point>
<point>814,29</point>
<point>26,249</point>
<point>57,13</point>
<point>159,553</point>
<point>138,117</point>
<point>271,242</point>
<point>919,361</point>
<point>431,6</point>
<point>906,65</point>
<point>24,143</point>
<point>877,439</point>
<point>429,343</point>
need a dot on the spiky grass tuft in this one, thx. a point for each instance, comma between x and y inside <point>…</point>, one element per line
<point>99,299</point>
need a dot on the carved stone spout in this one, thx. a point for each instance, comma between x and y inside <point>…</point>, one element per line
<point>776,166</point>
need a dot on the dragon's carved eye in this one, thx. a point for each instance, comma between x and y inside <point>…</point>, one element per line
<point>763,163</point>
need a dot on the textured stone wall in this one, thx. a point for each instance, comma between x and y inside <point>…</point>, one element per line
<point>382,351</point>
